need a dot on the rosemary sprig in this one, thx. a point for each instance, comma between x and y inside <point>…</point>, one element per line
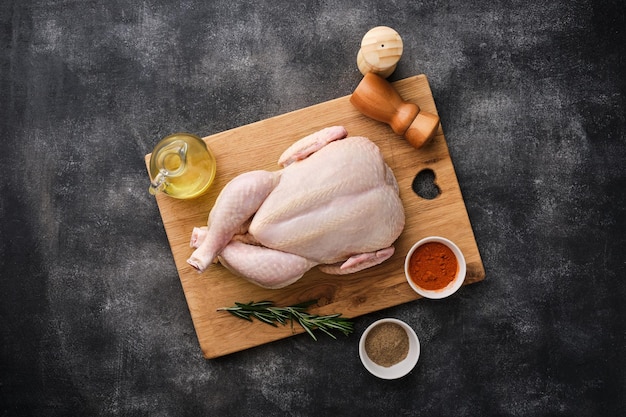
<point>268,313</point>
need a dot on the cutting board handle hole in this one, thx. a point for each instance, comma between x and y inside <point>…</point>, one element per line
<point>424,184</point>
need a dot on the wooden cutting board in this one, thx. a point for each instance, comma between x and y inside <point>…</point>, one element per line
<point>258,146</point>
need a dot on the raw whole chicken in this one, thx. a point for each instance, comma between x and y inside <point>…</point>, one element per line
<point>334,205</point>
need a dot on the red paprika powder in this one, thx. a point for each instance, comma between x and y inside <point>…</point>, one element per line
<point>432,266</point>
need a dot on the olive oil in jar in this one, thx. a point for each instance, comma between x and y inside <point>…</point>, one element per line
<point>181,166</point>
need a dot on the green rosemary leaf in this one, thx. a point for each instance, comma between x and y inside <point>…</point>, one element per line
<point>327,332</point>
<point>305,326</point>
<point>265,319</point>
<point>240,315</point>
<point>266,312</point>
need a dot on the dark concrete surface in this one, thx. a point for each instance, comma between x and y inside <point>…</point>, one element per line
<point>93,320</point>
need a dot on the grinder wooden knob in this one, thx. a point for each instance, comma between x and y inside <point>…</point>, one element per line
<point>381,49</point>
<point>376,98</point>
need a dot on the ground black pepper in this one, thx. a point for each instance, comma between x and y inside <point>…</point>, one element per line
<point>387,344</point>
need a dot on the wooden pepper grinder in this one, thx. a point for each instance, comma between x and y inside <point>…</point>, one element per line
<point>376,98</point>
<point>381,49</point>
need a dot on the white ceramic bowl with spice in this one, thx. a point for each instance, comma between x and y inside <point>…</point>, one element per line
<point>400,364</point>
<point>416,274</point>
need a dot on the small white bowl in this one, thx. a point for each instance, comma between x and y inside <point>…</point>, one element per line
<point>401,368</point>
<point>454,285</point>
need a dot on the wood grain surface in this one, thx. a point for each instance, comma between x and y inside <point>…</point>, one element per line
<point>258,146</point>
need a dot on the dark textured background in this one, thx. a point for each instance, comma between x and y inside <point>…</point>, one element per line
<point>93,319</point>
